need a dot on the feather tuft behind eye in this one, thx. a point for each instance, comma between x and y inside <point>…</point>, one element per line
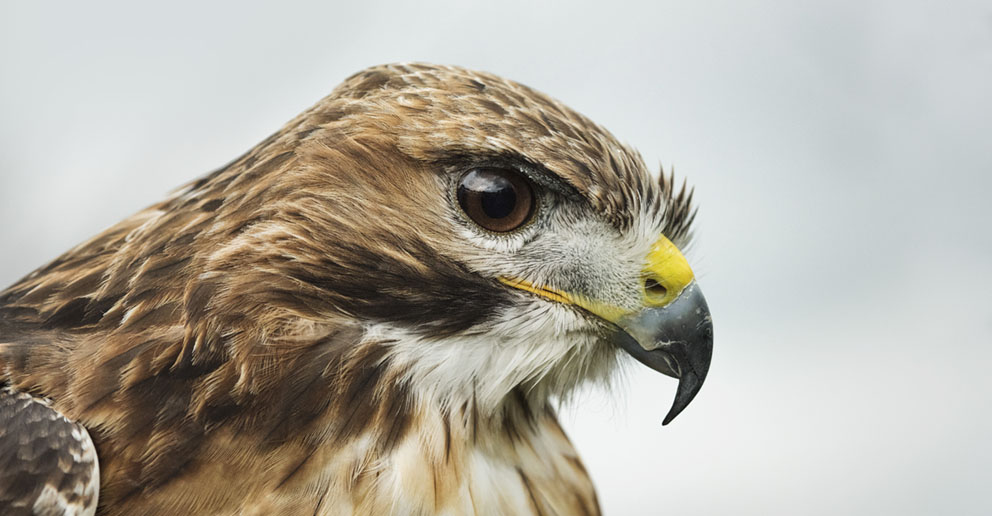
<point>497,199</point>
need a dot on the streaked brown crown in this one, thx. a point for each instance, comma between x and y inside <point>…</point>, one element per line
<point>435,113</point>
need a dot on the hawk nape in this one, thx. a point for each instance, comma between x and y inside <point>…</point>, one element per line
<point>369,312</point>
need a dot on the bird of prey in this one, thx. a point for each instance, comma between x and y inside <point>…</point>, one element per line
<point>376,310</point>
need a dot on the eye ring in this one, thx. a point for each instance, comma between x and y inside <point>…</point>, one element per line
<point>497,199</point>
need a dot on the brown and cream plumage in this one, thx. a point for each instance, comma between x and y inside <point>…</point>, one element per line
<point>324,326</point>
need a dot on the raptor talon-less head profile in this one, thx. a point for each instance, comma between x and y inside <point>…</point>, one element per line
<point>399,281</point>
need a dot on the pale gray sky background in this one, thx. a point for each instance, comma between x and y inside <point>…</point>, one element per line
<point>842,157</point>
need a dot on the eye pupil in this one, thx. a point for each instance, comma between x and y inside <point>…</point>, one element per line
<point>497,199</point>
<point>499,203</point>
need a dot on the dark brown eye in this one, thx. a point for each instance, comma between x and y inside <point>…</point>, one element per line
<point>497,199</point>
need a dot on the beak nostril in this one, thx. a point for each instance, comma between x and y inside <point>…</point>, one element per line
<point>654,289</point>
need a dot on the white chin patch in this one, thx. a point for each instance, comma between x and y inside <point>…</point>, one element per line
<point>546,348</point>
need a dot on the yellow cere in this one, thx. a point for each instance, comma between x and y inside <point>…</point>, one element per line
<point>665,276</point>
<point>668,268</point>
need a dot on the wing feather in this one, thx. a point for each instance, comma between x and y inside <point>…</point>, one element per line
<point>48,464</point>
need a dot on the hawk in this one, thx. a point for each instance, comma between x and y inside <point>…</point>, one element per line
<point>374,311</point>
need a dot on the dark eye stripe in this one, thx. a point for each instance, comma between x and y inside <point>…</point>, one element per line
<point>498,199</point>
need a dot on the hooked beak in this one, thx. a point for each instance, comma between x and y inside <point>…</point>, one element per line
<point>675,339</point>
<point>671,333</point>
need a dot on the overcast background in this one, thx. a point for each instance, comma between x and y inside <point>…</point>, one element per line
<point>841,153</point>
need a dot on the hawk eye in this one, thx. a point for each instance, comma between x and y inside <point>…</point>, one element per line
<point>498,199</point>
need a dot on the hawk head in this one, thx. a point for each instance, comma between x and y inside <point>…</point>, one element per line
<point>428,250</point>
<point>485,235</point>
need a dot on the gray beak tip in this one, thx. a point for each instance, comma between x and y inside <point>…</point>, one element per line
<point>689,385</point>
